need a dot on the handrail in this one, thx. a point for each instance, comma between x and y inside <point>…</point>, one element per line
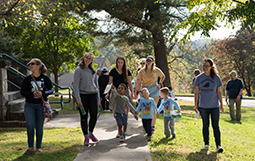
<point>22,76</point>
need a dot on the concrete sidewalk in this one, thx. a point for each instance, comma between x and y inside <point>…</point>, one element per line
<point>134,148</point>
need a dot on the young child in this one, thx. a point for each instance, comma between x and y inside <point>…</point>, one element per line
<point>121,102</point>
<point>171,93</point>
<point>147,104</point>
<point>167,105</point>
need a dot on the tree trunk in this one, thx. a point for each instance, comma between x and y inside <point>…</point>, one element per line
<point>160,55</point>
<point>56,79</point>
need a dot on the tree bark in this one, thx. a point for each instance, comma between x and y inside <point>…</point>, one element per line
<point>160,52</point>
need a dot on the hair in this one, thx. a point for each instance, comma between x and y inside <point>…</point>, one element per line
<point>197,72</point>
<point>124,68</point>
<point>170,88</point>
<point>122,84</point>
<point>143,60</point>
<point>164,90</point>
<point>143,89</point>
<point>82,63</point>
<point>213,70</point>
<point>77,63</point>
<point>104,72</point>
<point>42,68</point>
<point>99,71</point>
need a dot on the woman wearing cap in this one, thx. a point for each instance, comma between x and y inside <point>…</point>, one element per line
<point>208,100</point>
<point>148,78</point>
<point>102,83</point>
<point>87,94</point>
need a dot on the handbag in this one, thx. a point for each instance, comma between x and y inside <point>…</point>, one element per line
<point>47,112</point>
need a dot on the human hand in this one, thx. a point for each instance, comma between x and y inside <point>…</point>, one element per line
<point>79,103</point>
<point>196,109</point>
<point>221,108</point>
<point>136,113</point>
<point>179,111</point>
<point>106,96</point>
<point>238,97</point>
<point>39,93</point>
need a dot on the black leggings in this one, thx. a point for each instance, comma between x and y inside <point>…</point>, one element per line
<point>89,102</point>
<point>104,103</point>
<point>147,126</point>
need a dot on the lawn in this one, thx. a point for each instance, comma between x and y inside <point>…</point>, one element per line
<point>64,143</point>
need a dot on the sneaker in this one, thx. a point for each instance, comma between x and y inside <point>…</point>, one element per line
<point>93,138</point>
<point>149,138</point>
<point>38,150</point>
<point>86,142</point>
<point>118,135</point>
<point>28,151</point>
<point>152,130</point>
<point>219,149</point>
<point>206,147</point>
<point>122,138</point>
<point>174,136</point>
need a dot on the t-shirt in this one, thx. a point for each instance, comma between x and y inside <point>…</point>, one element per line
<point>118,78</point>
<point>149,77</point>
<point>147,108</point>
<point>28,87</point>
<point>102,82</point>
<point>208,97</point>
<point>167,106</point>
<point>234,87</point>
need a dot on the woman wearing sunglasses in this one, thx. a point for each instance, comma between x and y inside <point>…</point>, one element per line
<point>33,104</point>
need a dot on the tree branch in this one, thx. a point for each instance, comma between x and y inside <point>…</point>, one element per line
<point>9,10</point>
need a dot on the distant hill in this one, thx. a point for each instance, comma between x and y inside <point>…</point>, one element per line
<point>200,43</point>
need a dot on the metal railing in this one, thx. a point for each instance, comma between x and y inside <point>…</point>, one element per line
<point>22,76</point>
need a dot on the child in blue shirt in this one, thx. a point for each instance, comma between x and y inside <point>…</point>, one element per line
<point>147,104</point>
<point>167,105</point>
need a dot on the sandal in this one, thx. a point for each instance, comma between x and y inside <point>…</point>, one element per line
<point>29,150</point>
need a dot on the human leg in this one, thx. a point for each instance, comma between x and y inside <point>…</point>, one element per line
<point>238,110</point>
<point>166,127</point>
<point>153,122</point>
<point>93,110</point>
<point>205,119</point>
<point>172,121</point>
<point>232,110</point>
<point>103,102</point>
<point>215,116</point>
<point>84,118</point>
<point>30,116</point>
<point>39,125</point>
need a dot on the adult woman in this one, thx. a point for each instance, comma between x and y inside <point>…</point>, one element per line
<point>86,93</point>
<point>148,78</point>
<point>207,98</point>
<point>33,104</point>
<point>120,74</point>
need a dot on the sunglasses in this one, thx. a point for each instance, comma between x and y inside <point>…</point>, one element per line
<point>30,64</point>
<point>142,63</point>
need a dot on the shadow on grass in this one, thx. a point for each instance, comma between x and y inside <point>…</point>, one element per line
<point>68,153</point>
<point>234,122</point>
<point>202,155</point>
<point>166,141</point>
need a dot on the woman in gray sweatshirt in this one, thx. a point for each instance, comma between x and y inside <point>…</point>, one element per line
<point>86,93</point>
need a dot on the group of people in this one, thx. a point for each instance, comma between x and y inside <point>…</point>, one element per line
<point>148,87</point>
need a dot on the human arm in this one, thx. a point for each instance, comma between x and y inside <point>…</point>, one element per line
<point>138,87</point>
<point>109,83</point>
<point>226,96</point>
<point>48,88</point>
<point>220,98</point>
<point>162,78</point>
<point>196,98</point>
<point>130,86</point>
<point>131,107</point>
<point>239,94</point>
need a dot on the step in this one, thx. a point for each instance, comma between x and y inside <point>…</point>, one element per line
<point>13,95</point>
<point>15,105</point>
<point>16,115</point>
<point>13,123</point>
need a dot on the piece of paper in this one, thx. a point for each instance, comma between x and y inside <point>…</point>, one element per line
<point>197,115</point>
<point>107,88</point>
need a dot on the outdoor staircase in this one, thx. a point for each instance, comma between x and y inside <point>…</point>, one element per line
<point>15,110</point>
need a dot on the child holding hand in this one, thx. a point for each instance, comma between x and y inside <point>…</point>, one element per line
<point>147,104</point>
<point>167,105</point>
<point>120,103</point>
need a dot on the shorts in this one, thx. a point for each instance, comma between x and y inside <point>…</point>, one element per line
<point>154,91</point>
<point>121,119</point>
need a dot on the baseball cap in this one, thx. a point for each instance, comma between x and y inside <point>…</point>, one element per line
<point>104,69</point>
<point>150,58</point>
<point>233,72</point>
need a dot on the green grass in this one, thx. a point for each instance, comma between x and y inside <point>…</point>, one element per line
<point>237,138</point>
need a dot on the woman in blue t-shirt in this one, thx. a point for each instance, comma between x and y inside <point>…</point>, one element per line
<point>208,100</point>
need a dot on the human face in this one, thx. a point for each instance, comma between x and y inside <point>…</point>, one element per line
<point>88,59</point>
<point>145,92</point>
<point>207,67</point>
<point>142,64</point>
<point>33,66</point>
<point>120,63</point>
<point>149,63</point>
<point>163,95</point>
<point>121,90</point>
<point>232,76</point>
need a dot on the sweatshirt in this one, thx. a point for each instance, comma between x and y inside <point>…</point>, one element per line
<point>85,82</point>
<point>147,108</point>
<point>28,87</point>
<point>167,106</point>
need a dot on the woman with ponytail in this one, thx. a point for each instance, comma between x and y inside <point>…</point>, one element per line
<point>33,104</point>
<point>208,101</point>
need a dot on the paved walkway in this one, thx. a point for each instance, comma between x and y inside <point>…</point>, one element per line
<point>135,147</point>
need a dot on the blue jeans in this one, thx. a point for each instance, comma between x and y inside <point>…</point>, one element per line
<point>34,120</point>
<point>215,115</point>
